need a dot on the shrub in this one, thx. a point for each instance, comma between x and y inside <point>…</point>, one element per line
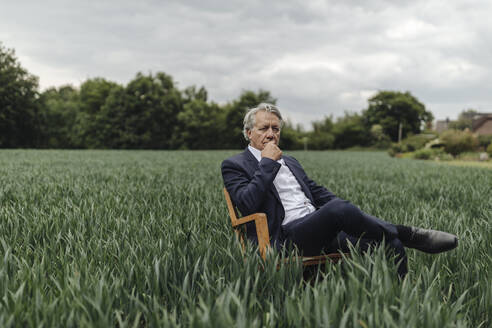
<point>397,148</point>
<point>489,150</point>
<point>456,142</point>
<point>468,156</point>
<point>321,141</point>
<point>423,154</point>
<point>418,141</point>
<point>432,153</point>
<point>384,144</point>
<point>411,143</point>
<point>444,156</point>
<point>291,139</point>
<point>484,141</point>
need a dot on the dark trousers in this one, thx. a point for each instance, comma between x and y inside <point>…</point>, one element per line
<point>337,223</point>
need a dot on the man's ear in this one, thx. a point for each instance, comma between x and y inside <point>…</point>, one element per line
<point>248,132</point>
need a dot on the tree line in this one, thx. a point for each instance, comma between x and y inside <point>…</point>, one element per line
<point>151,112</point>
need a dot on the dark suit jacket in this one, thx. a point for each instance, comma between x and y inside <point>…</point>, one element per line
<point>250,184</point>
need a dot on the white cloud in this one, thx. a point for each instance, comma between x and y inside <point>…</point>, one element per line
<point>357,95</point>
<point>411,29</point>
<point>317,57</point>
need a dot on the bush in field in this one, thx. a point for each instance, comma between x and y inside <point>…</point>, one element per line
<point>432,153</point>
<point>418,141</point>
<point>484,141</point>
<point>456,142</point>
<point>412,143</point>
<point>489,150</point>
<point>397,148</point>
<point>321,141</point>
<point>423,154</point>
<point>349,131</point>
<point>291,137</point>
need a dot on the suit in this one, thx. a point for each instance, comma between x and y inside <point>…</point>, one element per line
<point>334,223</point>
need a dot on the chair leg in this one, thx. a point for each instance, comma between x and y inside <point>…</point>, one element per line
<point>263,235</point>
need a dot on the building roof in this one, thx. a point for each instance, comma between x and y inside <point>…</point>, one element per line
<point>480,119</point>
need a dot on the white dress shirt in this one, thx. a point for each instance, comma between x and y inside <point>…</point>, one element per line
<point>296,204</point>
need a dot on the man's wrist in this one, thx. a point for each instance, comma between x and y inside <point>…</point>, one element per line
<point>273,159</point>
<point>268,160</point>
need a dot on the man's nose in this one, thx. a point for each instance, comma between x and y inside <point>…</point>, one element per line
<point>270,133</point>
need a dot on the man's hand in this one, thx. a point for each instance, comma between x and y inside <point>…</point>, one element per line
<point>271,151</point>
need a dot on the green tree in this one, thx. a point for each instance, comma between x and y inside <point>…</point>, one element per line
<point>325,125</point>
<point>291,136</point>
<point>199,124</point>
<point>143,115</point>
<point>392,108</point>
<point>191,93</point>
<point>18,103</point>
<point>464,121</point>
<point>322,136</point>
<point>111,121</point>
<point>58,113</point>
<point>195,122</point>
<point>93,95</point>
<point>350,131</point>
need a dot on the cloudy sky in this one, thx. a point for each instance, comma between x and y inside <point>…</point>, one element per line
<point>317,58</point>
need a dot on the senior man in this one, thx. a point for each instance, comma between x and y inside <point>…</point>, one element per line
<point>303,213</point>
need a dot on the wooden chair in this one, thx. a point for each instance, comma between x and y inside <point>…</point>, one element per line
<point>260,220</point>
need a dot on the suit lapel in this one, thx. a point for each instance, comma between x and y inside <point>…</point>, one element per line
<point>253,166</point>
<point>251,161</point>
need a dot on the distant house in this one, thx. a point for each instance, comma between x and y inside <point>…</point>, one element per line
<point>482,124</point>
<point>442,125</point>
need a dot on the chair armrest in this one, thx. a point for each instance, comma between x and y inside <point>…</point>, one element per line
<point>261,230</point>
<point>249,218</point>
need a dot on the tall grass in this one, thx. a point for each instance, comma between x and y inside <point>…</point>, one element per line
<point>142,238</point>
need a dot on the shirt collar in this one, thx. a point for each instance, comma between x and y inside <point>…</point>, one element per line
<point>256,153</point>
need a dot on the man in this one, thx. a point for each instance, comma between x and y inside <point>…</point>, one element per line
<point>300,212</point>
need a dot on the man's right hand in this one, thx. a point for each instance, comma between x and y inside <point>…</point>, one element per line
<point>271,151</point>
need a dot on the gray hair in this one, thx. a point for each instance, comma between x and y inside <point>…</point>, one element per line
<point>249,118</point>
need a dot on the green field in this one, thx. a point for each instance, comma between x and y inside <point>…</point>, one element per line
<point>142,239</point>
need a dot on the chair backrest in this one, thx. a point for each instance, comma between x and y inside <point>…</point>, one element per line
<point>230,207</point>
<point>234,217</point>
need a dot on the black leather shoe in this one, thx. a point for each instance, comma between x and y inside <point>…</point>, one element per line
<point>431,241</point>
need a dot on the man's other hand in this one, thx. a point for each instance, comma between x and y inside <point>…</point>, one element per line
<point>271,151</point>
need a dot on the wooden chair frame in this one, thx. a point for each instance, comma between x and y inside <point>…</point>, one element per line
<point>260,220</point>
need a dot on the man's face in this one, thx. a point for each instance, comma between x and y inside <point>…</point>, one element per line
<point>266,129</point>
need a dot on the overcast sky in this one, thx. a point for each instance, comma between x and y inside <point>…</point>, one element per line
<point>317,58</point>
